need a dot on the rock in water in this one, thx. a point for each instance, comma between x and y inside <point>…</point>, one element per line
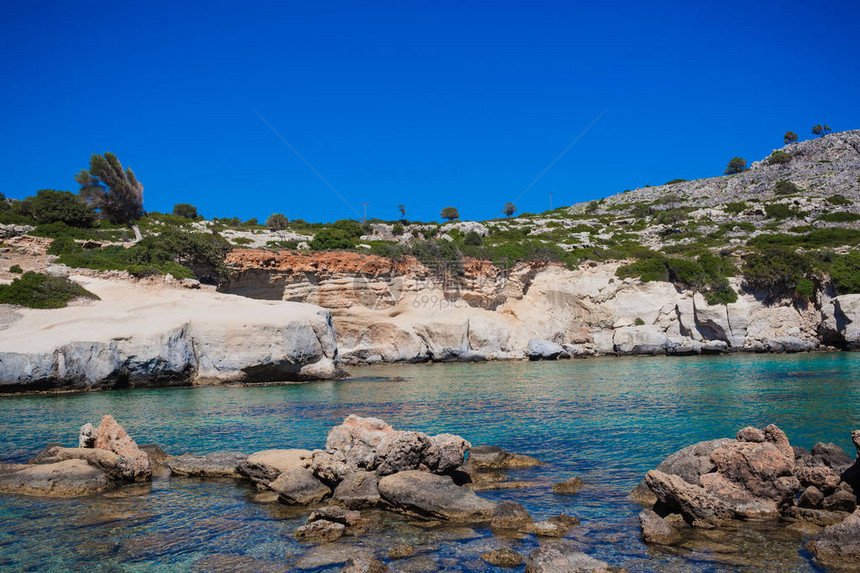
<point>216,465</point>
<point>503,558</point>
<point>87,436</point>
<point>430,495</point>
<point>265,466</point>
<point>561,557</point>
<point>838,546</point>
<point>357,439</point>
<point>538,349</point>
<point>358,490</point>
<point>510,515</point>
<point>696,504</point>
<point>319,531</point>
<point>298,486</point>
<point>451,451</point>
<point>568,486</point>
<point>69,478</point>
<point>113,437</point>
<point>484,458</point>
<point>364,564</point>
<point>656,530</point>
<point>401,451</point>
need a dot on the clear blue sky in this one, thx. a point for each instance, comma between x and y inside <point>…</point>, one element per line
<point>427,104</point>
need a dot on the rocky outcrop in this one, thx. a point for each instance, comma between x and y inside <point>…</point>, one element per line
<point>757,476</point>
<point>562,557</point>
<point>139,335</point>
<point>106,457</point>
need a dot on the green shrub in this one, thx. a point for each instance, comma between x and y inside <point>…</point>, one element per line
<point>639,322</point>
<point>185,210</point>
<point>288,245</point>
<point>786,188</point>
<point>778,270</point>
<point>473,239</point>
<point>736,165</point>
<point>35,290</point>
<point>397,229</point>
<point>840,217</point>
<point>16,269</point>
<point>388,249</point>
<point>779,158</point>
<point>676,181</point>
<point>104,232</point>
<point>62,245</point>
<point>845,273</point>
<point>332,239</point>
<point>781,211</point>
<point>242,241</point>
<point>839,200</point>
<point>735,207</point>
<point>50,206</point>
<point>671,216</point>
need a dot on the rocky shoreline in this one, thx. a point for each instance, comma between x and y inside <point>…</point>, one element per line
<point>367,469</point>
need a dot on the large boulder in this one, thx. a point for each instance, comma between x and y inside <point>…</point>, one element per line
<point>656,530</point>
<point>265,466</point>
<point>69,478</point>
<point>435,496</point>
<point>357,439</point>
<point>105,460</point>
<point>298,486</point>
<point>838,546</point>
<point>401,451</point>
<point>538,349</point>
<point>851,476</point>
<point>511,515</point>
<point>215,465</point>
<point>372,445</point>
<point>696,505</point>
<point>689,463</point>
<point>113,437</point>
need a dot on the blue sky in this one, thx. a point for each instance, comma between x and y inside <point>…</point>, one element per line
<point>427,104</point>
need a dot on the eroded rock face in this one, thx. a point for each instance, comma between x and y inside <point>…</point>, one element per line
<point>430,495</point>
<point>838,545</point>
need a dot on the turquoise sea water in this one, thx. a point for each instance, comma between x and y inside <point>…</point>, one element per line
<point>606,420</point>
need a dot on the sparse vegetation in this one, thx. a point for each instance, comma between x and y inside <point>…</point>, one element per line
<point>786,188</point>
<point>779,158</point>
<point>450,213</point>
<point>36,290</point>
<point>16,269</point>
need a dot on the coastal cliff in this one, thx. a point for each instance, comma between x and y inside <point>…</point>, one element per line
<point>156,334</point>
<point>391,311</point>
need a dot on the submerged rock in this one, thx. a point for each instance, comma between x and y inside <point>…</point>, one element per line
<point>568,487</point>
<point>503,558</point>
<point>656,530</point>
<point>320,531</point>
<point>215,465</point>
<point>430,495</point>
<point>561,557</point>
<point>364,564</point>
<point>484,458</point>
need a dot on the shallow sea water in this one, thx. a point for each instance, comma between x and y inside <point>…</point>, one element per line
<point>605,420</point>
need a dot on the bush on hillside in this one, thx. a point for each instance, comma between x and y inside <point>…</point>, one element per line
<point>781,211</point>
<point>736,165</point>
<point>845,273</point>
<point>16,269</point>
<point>779,158</point>
<point>185,210</point>
<point>839,199</point>
<point>35,290</point>
<point>840,217</point>
<point>786,188</point>
<point>332,239</point>
<point>778,270</point>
